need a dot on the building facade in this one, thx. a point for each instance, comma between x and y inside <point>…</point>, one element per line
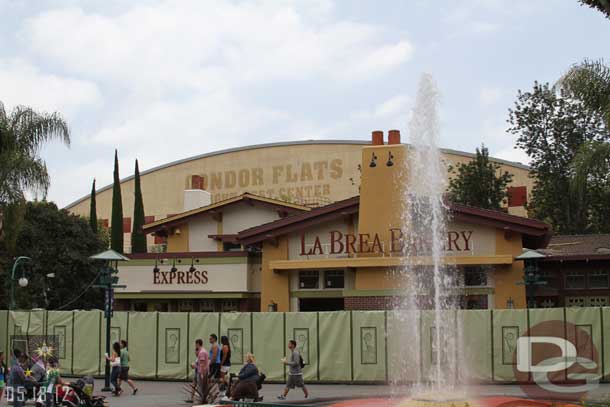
<point>310,173</point>
<point>256,253</point>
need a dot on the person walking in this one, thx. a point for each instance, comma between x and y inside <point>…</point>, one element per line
<point>124,375</point>
<point>214,357</point>
<point>225,358</point>
<point>115,364</point>
<point>195,367</point>
<point>2,375</point>
<point>203,366</point>
<point>295,374</point>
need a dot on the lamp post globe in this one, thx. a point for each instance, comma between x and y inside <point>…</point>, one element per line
<point>23,282</point>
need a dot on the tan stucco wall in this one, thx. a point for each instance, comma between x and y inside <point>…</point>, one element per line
<point>275,287</point>
<point>178,242</point>
<point>506,277</point>
<point>328,170</point>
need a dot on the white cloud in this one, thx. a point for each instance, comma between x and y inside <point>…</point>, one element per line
<point>196,42</point>
<point>23,84</point>
<point>489,95</point>
<point>178,79</point>
<point>513,154</point>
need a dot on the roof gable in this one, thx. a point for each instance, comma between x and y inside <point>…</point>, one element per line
<point>181,218</point>
<point>535,233</point>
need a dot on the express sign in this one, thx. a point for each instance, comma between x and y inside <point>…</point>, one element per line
<point>180,277</point>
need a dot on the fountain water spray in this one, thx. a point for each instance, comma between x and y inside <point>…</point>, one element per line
<point>428,313</point>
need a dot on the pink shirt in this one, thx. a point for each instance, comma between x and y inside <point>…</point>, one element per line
<point>204,361</point>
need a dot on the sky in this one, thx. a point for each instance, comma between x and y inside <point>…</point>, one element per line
<point>165,80</point>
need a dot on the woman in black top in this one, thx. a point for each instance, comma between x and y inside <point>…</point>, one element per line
<point>225,358</point>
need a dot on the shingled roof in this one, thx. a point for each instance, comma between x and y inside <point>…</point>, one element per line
<point>578,247</point>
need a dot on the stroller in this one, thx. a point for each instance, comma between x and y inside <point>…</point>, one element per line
<point>80,394</point>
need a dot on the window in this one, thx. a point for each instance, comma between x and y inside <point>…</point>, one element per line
<point>230,305</point>
<point>334,279</point>
<point>140,306</point>
<point>575,279</point>
<point>231,247</point>
<point>308,279</point>
<point>548,276</point>
<point>598,279</point>
<point>475,276</point>
<point>207,306</point>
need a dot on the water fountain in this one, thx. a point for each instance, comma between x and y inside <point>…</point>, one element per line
<point>430,281</point>
<point>427,323</point>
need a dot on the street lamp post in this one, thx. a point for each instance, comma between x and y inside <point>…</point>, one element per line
<point>22,281</point>
<point>107,281</point>
<point>531,277</point>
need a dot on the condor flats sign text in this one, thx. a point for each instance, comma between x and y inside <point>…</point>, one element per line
<point>346,243</point>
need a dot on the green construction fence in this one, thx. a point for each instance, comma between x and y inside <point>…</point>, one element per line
<point>342,346</point>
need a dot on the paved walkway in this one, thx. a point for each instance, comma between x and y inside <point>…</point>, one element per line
<point>173,394</point>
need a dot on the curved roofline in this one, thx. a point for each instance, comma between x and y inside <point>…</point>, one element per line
<point>276,144</point>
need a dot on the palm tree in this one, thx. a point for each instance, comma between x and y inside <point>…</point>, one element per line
<point>589,82</point>
<point>590,185</point>
<point>23,132</point>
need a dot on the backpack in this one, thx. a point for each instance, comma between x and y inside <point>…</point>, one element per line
<point>301,362</point>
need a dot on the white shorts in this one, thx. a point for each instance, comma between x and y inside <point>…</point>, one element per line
<point>225,369</point>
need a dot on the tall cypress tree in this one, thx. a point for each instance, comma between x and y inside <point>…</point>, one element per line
<point>116,236</point>
<point>138,238</point>
<point>93,210</point>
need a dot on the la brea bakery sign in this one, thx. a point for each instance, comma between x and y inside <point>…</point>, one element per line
<point>338,242</point>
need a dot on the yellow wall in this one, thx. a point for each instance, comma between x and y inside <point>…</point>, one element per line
<point>506,277</point>
<point>178,243</point>
<point>382,192</point>
<point>378,279</point>
<point>275,286</point>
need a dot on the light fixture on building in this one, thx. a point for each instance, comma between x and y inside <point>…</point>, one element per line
<point>272,307</point>
<point>510,304</point>
<point>192,268</point>
<point>390,159</point>
<point>373,161</point>
<point>173,269</point>
<point>156,268</point>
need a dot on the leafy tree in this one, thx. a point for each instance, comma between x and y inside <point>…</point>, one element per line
<point>551,125</point>
<point>60,243</point>
<point>600,5</point>
<point>93,210</point>
<point>480,182</point>
<point>23,132</point>
<point>138,238</point>
<point>116,231</point>
<point>589,82</point>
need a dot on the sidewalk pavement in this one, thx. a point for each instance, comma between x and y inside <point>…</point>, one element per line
<point>172,394</point>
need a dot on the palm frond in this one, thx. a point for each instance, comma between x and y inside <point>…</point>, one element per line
<point>34,129</point>
<point>589,81</point>
<point>592,157</point>
<point>19,173</point>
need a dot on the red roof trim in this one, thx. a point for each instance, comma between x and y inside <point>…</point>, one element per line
<point>539,231</point>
